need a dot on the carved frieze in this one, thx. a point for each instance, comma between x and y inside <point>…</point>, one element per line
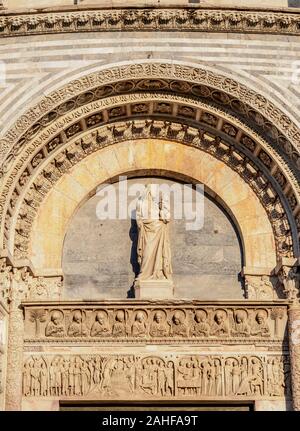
<point>195,323</point>
<point>156,376</point>
<point>159,19</point>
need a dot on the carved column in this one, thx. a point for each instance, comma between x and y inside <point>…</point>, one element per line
<point>289,276</point>
<point>17,292</point>
<point>294,347</point>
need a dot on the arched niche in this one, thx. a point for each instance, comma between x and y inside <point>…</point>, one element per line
<point>53,217</point>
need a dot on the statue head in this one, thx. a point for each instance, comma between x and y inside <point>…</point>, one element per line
<point>240,316</point>
<point>158,316</point>
<point>220,316</point>
<point>55,317</point>
<point>120,316</point>
<point>139,316</point>
<point>200,316</point>
<point>177,318</point>
<point>261,317</point>
<point>77,317</point>
<point>101,317</point>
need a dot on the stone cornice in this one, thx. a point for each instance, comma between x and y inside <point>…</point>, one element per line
<point>32,22</point>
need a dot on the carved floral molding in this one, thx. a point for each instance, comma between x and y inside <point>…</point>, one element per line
<point>194,322</point>
<point>159,19</point>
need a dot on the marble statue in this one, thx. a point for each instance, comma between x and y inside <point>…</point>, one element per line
<point>154,254</point>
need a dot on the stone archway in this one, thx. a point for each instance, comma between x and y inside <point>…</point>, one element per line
<point>50,225</point>
<point>167,118</point>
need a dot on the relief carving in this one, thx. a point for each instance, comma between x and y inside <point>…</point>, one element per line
<point>78,327</point>
<point>152,323</point>
<point>156,376</point>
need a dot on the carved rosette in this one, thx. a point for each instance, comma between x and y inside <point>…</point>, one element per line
<point>294,347</point>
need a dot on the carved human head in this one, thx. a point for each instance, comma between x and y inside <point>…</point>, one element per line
<point>139,316</point>
<point>261,316</point>
<point>220,316</point>
<point>240,316</point>
<point>120,316</point>
<point>200,316</point>
<point>158,316</point>
<point>101,317</point>
<point>55,317</point>
<point>177,318</point>
<point>77,316</point>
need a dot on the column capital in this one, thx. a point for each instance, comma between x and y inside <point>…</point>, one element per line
<point>288,271</point>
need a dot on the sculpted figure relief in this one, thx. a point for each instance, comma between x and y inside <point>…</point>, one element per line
<point>77,328</point>
<point>220,326</point>
<point>55,328</point>
<point>260,326</point>
<point>149,322</point>
<point>240,326</point>
<point>178,324</point>
<point>119,326</point>
<point>139,326</point>
<point>159,326</point>
<point>101,326</point>
<point>200,327</point>
<point>153,376</point>
<point>153,250</point>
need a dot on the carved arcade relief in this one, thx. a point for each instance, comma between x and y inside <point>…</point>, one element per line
<point>135,376</point>
<point>194,323</point>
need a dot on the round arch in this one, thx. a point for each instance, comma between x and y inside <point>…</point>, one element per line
<point>65,197</point>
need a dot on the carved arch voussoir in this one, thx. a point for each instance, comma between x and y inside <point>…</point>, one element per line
<point>100,137</point>
<point>176,78</point>
<point>55,138</point>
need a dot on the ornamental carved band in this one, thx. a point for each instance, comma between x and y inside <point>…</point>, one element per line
<point>159,19</point>
<point>193,323</point>
<point>294,345</point>
<point>153,376</point>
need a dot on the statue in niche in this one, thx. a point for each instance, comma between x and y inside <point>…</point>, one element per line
<point>153,249</point>
<point>101,326</point>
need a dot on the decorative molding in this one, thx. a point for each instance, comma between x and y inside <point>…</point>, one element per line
<point>101,376</point>
<point>171,77</point>
<point>194,322</point>
<point>152,19</point>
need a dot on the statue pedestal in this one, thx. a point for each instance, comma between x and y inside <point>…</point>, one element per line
<point>154,289</point>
